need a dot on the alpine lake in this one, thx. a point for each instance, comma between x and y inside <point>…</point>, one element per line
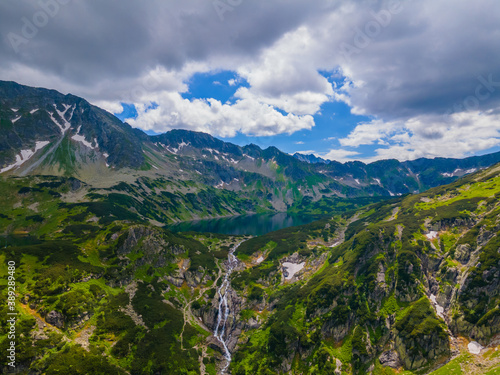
<point>254,224</point>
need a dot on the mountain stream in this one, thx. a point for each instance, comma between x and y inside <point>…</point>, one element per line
<point>224,309</point>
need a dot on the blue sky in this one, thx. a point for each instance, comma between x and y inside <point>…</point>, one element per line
<point>333,121</point>
<point>364,80</point>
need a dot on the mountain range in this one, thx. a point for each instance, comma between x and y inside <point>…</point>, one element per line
<point>46,132</point>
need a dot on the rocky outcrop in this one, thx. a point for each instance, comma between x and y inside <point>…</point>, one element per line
<point>55,318</point>
<point>131,289</point>
<point>462,253</point>
<point>151,242</point>
<point>450,223</point>
<point>421,352</point>
<point>194,278</point>
<point>421,337</point>
<point>336,329</point>
<point>390,358</point>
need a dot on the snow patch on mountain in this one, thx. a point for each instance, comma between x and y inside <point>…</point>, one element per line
<point>180,146</point>
<point>81,138</point>
<point>431,235</point>
<point>25,155</point>
<point>290,269</point>
<point>459,172</point>
<point>65,125</point>
<point>474,347</point>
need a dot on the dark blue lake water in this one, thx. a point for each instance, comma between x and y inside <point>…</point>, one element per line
<point>255,225</point>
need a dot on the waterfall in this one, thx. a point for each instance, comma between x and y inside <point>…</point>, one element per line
<point>223,313</point>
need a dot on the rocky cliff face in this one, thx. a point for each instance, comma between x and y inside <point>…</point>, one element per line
<point>44,122</point>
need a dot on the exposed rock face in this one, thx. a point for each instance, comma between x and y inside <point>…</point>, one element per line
<point>151,241</point>
<point>253,324</point>
<point>390,358</point>
<point>177,281</point>
<point>444,296</point>
<point>456,222</point>
<point>462,253</point>
<point>156,251</point>
<point>418,353</point>
<point>336,329</point>
<point>55,318</point>
<point>131,289</point>
<point>484,237</point>
<point>193,278</point>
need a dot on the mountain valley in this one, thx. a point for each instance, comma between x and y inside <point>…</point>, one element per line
<point>398,274</point>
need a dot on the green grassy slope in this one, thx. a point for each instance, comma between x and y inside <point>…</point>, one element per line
<point>373,294</point>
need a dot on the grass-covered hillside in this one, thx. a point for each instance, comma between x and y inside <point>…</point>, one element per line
<point>397,287</point>
<point>99,290</point>
<point>405,285</point>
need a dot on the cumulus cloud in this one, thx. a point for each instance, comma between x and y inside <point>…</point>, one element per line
<point>425,72</point>
<point>340,155</point>
<point>247,116</point>
<point>430,59</point>
<point>460,135</point>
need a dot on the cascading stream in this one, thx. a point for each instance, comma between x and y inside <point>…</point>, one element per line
<point>223,313</point>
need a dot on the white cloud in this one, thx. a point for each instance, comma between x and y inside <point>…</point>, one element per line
<point>419,65</point>
<point>456,136</point>
<point>247,116</point>
<point>339,155</point>
<point>282,77</point>
<point>368,133</point>
<point>299,143</point>
<point>110,106</point>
